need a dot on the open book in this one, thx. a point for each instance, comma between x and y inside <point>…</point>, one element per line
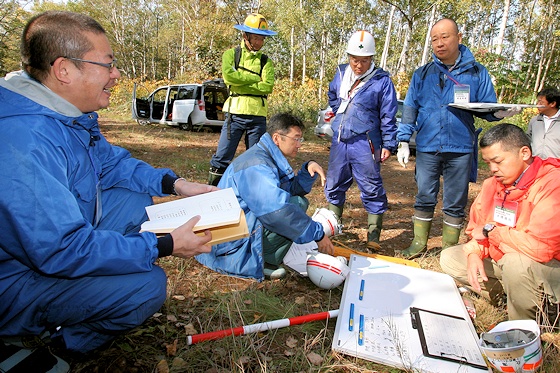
<point>219,212</point>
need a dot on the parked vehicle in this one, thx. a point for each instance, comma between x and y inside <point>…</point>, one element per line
<point>188,106</point>
<point>326,116</point>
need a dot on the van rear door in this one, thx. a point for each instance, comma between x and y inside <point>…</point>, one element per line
<point>184,105</point>
<point>141,108</point>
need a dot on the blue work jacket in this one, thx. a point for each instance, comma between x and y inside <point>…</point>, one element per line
<point>373,109</point>
<point>442,128</point>
<point>52,165</point>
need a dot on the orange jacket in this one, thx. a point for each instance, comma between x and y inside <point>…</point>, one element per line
<point>537,230</point>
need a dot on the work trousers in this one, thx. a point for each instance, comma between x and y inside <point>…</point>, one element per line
<point>526,282</point>
<point>275,246</point>
<point>455,168</point>
<point>232,131</point>
<point>352,160</point>
<point>91,310</point>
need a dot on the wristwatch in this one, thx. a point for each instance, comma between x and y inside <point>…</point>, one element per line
<point>487,228</point>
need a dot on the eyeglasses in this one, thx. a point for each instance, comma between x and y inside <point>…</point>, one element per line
<point>298,139</point>
<point>110,65</point>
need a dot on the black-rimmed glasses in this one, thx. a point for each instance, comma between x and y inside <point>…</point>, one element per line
<point>110,65</point>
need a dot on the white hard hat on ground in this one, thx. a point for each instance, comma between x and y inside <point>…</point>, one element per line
<point>361,43</point>
<point>326,271</point>
<point>329,221</point>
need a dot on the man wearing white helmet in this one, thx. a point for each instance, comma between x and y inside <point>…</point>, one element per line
<point>364,100</point>
<point>250,77</point>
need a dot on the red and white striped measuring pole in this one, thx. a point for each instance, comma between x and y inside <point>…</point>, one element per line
<point>261,327</point>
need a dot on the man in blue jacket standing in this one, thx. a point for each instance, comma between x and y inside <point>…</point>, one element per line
<point>72,261</point>
<point>364,132</point>
<point>446,136</point>
<point>273,199</point>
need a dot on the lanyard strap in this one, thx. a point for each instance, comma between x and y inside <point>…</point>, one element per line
<point>446,72</point>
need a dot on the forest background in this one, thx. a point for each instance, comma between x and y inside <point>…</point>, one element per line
<point>178,41</point>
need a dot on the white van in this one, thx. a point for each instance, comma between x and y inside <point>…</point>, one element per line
<point>188,106</point>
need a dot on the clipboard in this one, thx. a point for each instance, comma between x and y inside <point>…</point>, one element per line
<point>442,337</point>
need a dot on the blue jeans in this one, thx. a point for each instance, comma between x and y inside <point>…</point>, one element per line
<point>455,169</point>
<point>232,131</point>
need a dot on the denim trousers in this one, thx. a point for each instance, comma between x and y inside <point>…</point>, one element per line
<point>455,169</point>
<point>234,126</point>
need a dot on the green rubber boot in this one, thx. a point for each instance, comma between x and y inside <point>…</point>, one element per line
<point>336,209</point>
<point>375,222</point>
<point>215,175</point>
<point>450,234</point>
<point>419,244</point>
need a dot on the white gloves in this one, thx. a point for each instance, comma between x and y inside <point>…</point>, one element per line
<point>501,114</point>
<point>403,153</point>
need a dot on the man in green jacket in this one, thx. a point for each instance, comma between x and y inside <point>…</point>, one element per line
<point>250,77</point>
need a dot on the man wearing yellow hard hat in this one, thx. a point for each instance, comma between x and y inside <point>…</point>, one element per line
<point>250,76</point>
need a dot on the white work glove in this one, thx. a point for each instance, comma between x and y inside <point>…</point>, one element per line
<point>501,114</point>
<point>403,153</point>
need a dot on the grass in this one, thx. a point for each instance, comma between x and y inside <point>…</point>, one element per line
<point>200,300</point>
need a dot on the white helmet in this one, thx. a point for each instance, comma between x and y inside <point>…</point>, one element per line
<point>361,43</point>
<point>326,271</point>
<point>329,221</point>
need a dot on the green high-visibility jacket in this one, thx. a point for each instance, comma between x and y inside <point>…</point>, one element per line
<point>248,90</point>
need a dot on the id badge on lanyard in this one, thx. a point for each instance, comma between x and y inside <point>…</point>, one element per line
<point>505,212</point>
<point>461,93</point>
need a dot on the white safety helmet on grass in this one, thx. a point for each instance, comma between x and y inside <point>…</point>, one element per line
<point>326,271</point>
<point>329,221</point>
<point>361,43</point>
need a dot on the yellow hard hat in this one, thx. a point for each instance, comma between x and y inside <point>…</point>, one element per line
<point>255,23</point>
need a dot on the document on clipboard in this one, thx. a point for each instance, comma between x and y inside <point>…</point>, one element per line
<point>443,337</point>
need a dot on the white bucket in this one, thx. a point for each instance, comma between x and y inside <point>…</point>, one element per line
<point>520,358</point>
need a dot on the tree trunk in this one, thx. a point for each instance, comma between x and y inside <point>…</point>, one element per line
<point>385,53</point>
<point>503,24</point>
<point>292,54</point>
<point>427,42</point>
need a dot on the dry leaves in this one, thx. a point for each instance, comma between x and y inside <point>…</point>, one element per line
<point>172,348</point>
<point>171,318</point>
<point>291,342</point>
<point>315,359</point>
<point>190,330</point>
<point>300,300</point>
<point>162,367</point>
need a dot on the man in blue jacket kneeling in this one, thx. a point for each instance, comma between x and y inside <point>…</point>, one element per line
<point>272,197</point>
